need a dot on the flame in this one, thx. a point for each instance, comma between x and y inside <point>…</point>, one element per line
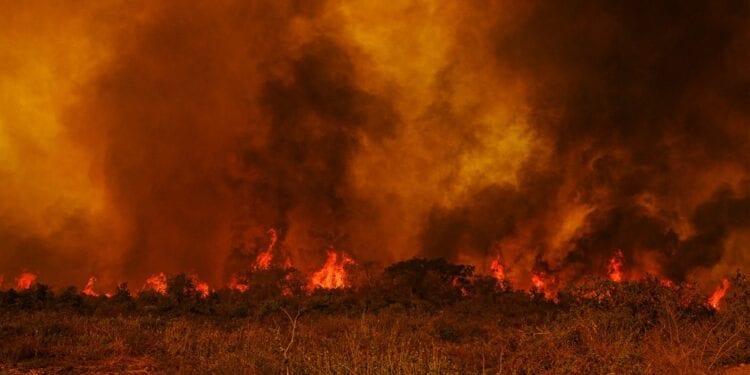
<point>538,281</point>
<point>667,283</point>
<point>498,270</point>
<point>614,269</point>
<point>718,294</point>
<point>203,289</point>
<point>157,283</point>
<point>25,280</point>
<point>333,275</point>
<point>236,284</point>
<point>263,261</point>
<point>89,289</point>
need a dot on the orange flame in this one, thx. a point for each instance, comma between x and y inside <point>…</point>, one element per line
<point>498,270</point>
<point>200,286</point>
<point>25,280</point>
<point>89,289</point>
<point>333,274</point>
<point>667,283</point>
<point>614,269</point>
<point>203,289</point>
<point>718,294</point>
<point>263,260</point>
<point>237,285</point>
<point>157,283</point>
<point>538,281</point>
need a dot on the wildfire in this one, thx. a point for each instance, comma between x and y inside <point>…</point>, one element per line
<point>25,280</point>
<point>538,280</point>
<point>236,284</point>
<point>498,270</point>
<point>203,289</point>
<point>89,288</point>
<point>333,275</point>
<point>718,294</point>
<point>614,269</point>
<point>157,283</point>
<point>287,263</point>
<point>263,260</point>
<point>667,283</point>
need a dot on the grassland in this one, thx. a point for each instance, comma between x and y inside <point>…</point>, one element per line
<point>639,327</point>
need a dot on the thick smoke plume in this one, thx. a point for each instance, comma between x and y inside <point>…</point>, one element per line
<point>145,137</point>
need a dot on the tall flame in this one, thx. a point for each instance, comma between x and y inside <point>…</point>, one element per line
<point>263,261</point>
<point>89,288</point>
<point>498,270</point>
<point>718,294</point>
<point>25,281</point>
<point>333,274</point>
<point>614,269</point>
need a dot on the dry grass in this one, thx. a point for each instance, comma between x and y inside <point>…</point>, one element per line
<point>387,342</point>
<point>401,326</point>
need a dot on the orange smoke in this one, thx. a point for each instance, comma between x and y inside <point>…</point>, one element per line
<point>333,274</point>
<point>715,299</point>
<point>25,281</point>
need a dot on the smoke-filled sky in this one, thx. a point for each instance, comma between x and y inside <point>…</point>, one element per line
<point>143,136</point>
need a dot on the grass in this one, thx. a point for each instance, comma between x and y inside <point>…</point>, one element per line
<point>386,342</point>
<point>389,327</point>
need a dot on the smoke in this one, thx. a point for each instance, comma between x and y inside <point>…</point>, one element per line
<point>548,134</point>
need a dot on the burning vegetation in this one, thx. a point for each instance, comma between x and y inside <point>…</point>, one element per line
<point>387,317</point>
<point>283,149</point>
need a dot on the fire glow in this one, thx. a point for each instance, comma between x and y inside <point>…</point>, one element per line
<point>498,270</point>
<point>715,299</point>
<point>333,274</point>
<point>614,268</point>
<point>263,261</point>
<point>25,280</point>
<point>88,290</point>
<point>156,283</point>
<point>451,132</point>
